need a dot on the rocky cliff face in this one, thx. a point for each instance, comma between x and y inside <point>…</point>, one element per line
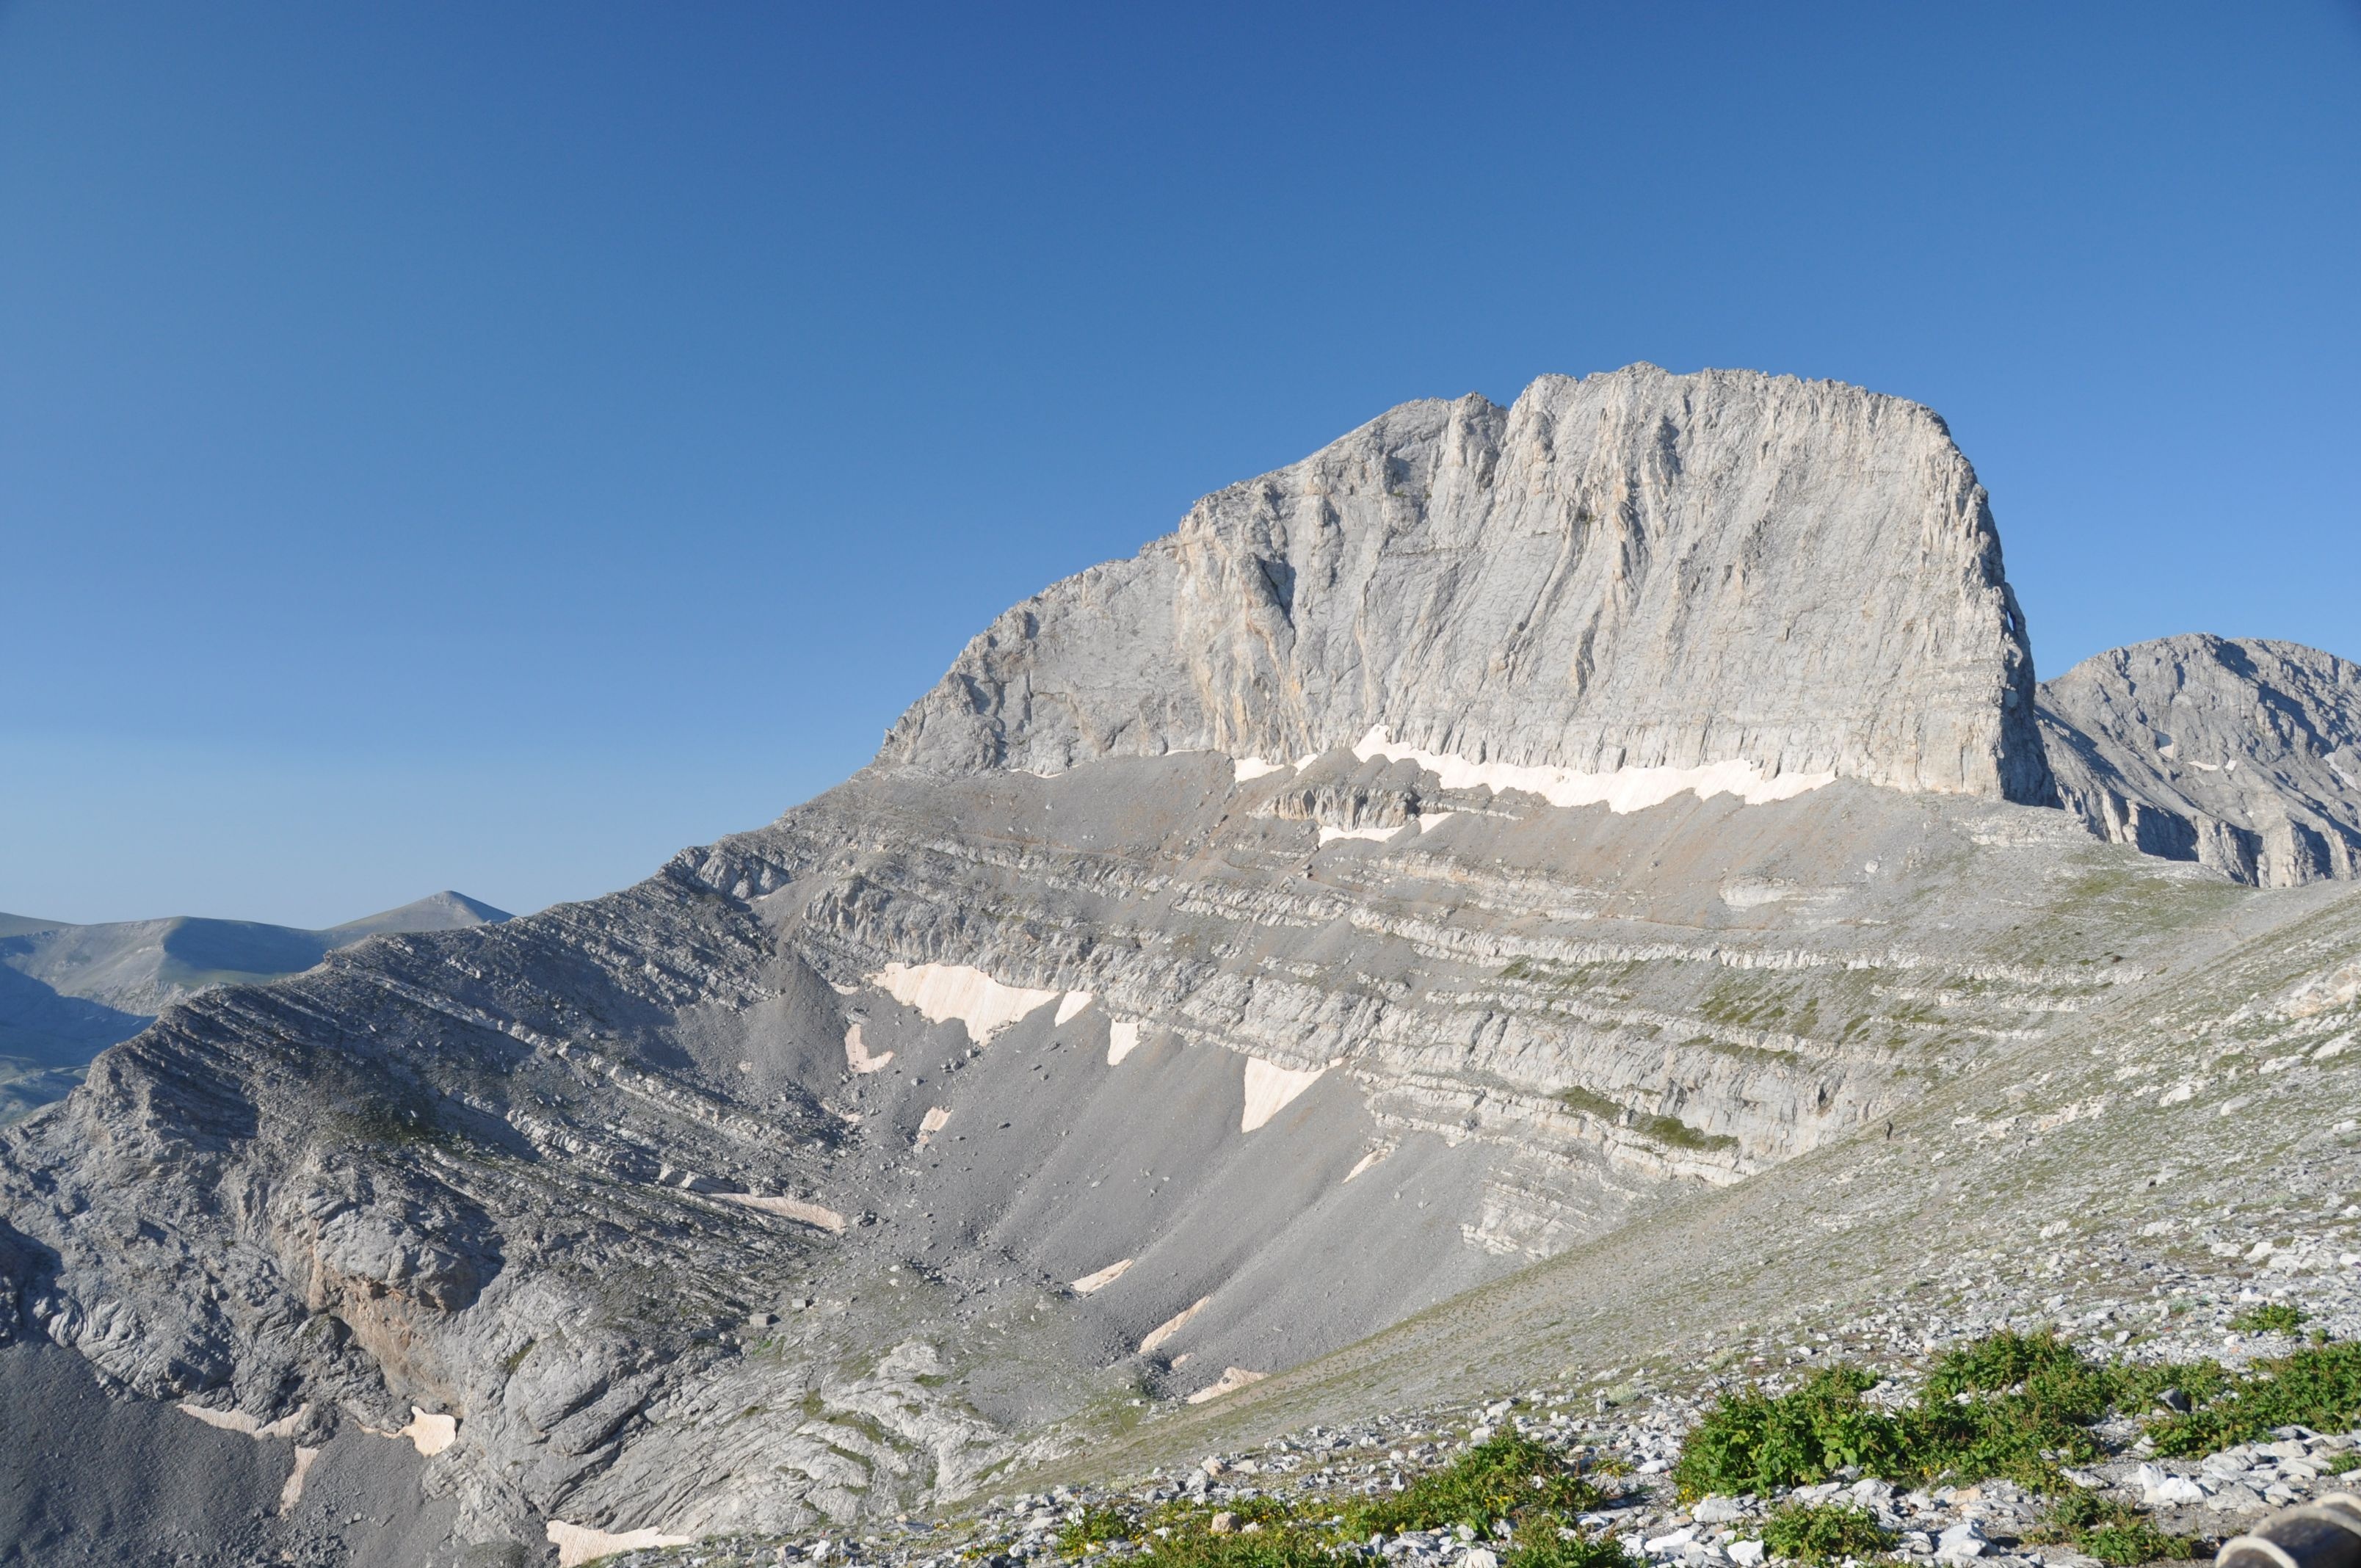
<point>2239,753</point>
<point>1627,572</point>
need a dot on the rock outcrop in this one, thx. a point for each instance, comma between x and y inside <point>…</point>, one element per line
<point>1629,571</point>
<point>2242,754</point>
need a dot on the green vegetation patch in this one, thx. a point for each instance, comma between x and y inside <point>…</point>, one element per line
<point>2270,1318</point>
<point>1508,1477</point>
<point>1508,1480</point>
<point>1591,1103</point>
<point>1822,1533</point>
<point>1668,1130</point>
<point>2011,1405</point>
<point>2114,1532</point>
<point>1672,1130</point>
<point>1097,1526</point>
<point>2318,1386</point>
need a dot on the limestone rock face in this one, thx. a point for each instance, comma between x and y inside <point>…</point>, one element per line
<point>1632,570</point>
<point>2239,753</point>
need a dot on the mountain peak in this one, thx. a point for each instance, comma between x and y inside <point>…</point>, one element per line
<point>444,911</point>
<point>1630,571</point>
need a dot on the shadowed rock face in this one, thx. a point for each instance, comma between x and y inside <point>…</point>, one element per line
<point>1635,570</point>
<point>2236,752</point>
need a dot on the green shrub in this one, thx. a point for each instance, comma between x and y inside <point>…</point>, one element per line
<point>2112,1532</point>
<point>1286,1547</point>
<point>1822,1533</point>
<point>1285,1537</point>
<point>2128,1545</point>
<point>2318,1386</point>
<point>1098,1525</point>
<point>2011,1405</point>
<point>1508,1477</point>
<point>1551,1546</point>
<point>1754,1441</point>
<point>2270,1318</point>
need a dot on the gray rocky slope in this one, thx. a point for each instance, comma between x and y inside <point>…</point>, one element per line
<point>2240,753</point>
<point>1139,1026</point>
<point>68,992</point>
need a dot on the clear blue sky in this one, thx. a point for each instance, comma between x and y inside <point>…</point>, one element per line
<point>494,445</point>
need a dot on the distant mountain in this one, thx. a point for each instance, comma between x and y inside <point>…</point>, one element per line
<point>68,992</point>
<point>2240,753</point>
<point>445,911</point>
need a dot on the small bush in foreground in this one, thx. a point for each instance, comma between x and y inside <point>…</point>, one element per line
<point>1097,1526</point>
<point>1822,1533</point>
<point>2009,1405</point>
<point>1282,1548</point>
<point>2270,1318</point>
<point>2112,1532</point>
<point>2318,1387</point>
<point>1508,1477</point>
<point>1550,1547</point>
<point>1754,1441</point>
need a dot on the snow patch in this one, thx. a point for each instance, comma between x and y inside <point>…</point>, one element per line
<point>1171,1326</point>
<point>1621,790</point>
<point>1369,1160</point>
<point>1101,1279</point>
<point>941,991</point>
<point>793,1209</point>
<point>1268,1089</point>
<point>856,1055</point>
<point>1244,769</point>
<point>1123,1038</point>
<point>239,1421</point>
<point>429,1432</point>
<point>1330,835</point>
<point>1232,1380</point>
<point>578,1544</point>
<point>1074,1003</point>
<point>937,1118</point>
<point>292,1492</point>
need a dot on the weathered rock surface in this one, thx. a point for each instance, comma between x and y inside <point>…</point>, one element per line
<point>1629,571</point>
<point>2242,754</point>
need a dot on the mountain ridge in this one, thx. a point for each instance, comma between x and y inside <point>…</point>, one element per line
<point>68,990</point>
